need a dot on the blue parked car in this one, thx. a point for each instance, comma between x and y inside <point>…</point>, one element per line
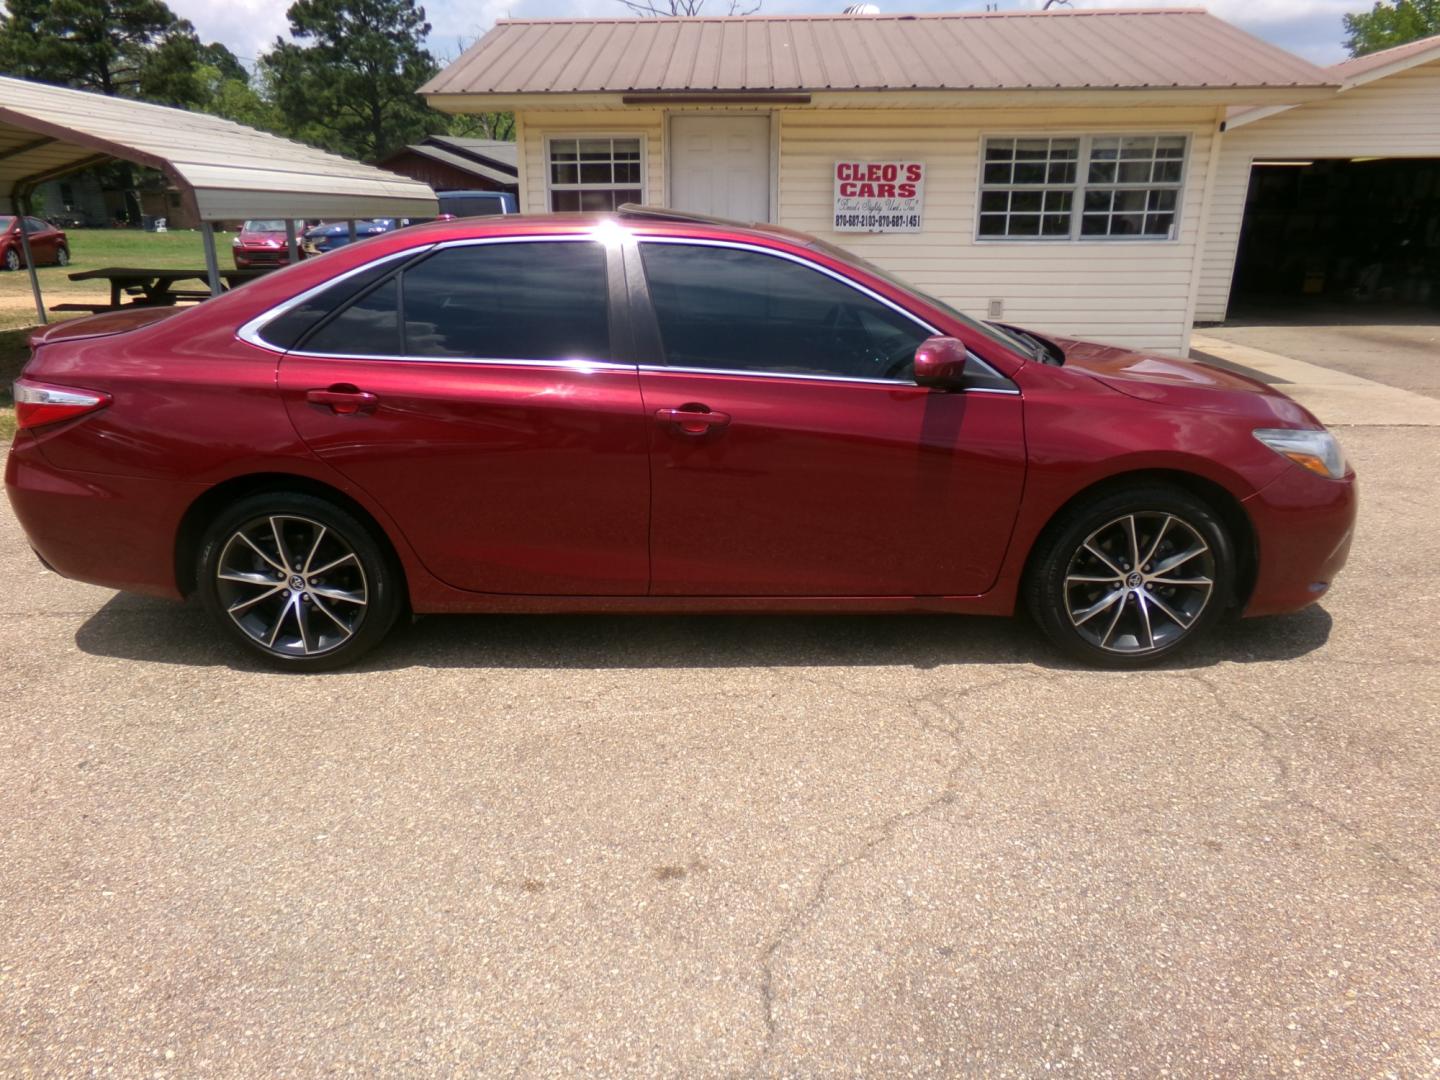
<point>336,234</point>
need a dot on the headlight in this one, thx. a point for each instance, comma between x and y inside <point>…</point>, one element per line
<point>1318,451</point>
<point>235,242</point>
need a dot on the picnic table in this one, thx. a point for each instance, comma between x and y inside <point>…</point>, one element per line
<point>154,287</point>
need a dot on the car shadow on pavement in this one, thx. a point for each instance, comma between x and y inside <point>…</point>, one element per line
<point>137,628</point>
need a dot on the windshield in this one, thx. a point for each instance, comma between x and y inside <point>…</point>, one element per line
<point>6,221</point>
<point>263,226</point>
<point>1001,336</point>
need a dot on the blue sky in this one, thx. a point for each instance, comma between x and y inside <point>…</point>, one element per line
<point>1308,27</point>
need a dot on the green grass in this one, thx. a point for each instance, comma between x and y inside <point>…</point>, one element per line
<point>90,249</point>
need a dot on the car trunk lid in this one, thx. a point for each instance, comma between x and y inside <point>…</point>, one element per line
<point>109,322</point>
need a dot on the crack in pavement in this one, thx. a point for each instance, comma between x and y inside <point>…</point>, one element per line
<point>1284,779</point>
<point>885,832</point>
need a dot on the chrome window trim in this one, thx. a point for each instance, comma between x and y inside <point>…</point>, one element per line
<point>910,384</point>
<point>864,290</point>
<point>580,366</point>
<point>250,331</point>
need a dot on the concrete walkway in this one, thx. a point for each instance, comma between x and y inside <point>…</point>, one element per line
<point>1338,398</point>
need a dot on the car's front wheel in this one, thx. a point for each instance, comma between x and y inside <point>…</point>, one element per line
<point>298,580</point>
<point>12,259</point>
<point>1131,577</point>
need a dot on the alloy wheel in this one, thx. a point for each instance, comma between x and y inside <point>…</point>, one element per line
<point>294,586</point>
<point>1139,583</point>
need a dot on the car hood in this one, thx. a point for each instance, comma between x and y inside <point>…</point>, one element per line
<point>109,322</point>
<point>1172,381</point>
<point>262,239</point>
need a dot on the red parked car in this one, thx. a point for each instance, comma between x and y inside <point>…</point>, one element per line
<point>48,245</point>
<point>648,412</point>
<point>263,242</point>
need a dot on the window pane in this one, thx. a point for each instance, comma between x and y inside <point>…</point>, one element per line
<point>561,173</point>
<point>999,149</point>
<point>564,200</point>
<point>994,201</point>
<point>992,224</point>
<point>742,310</point>
<point>999,174</point>
<point>536,301</point>
<point>1024,224</point>
<point>1055,225</point>
<point>368,327</point>
<point>1028,201</point>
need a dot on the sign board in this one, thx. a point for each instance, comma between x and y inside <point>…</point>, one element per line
<point>879,196</point>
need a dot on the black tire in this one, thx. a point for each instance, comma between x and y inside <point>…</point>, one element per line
<point>1084,559</point>
<point>12,260</point>
<point>346,577</point>
<point>62,256</point>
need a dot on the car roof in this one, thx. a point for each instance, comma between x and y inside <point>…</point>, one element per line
<point>642,219</point>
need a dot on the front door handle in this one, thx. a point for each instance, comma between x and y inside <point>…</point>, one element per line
<point>343,399</point>
<point>693,419</point>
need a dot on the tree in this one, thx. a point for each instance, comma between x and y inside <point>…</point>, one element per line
<point>1389,24</point>
<point>348,81</point>
<point>103,45</point>
<point>653,9</point>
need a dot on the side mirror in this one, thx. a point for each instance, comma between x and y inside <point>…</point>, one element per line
<point>940,363</point>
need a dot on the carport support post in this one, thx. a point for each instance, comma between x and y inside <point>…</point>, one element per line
<point>212,265</point>
<point>351,226</point>
<point>292,247</point>
<point>29,262</point>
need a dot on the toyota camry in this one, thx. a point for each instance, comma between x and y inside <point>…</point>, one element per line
<point>651,412</point>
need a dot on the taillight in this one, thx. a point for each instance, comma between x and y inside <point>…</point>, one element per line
<point>38,404</point>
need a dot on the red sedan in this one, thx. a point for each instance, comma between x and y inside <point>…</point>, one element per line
<point>48,245</point>
<point>647,412</point>
<point>264,242</point>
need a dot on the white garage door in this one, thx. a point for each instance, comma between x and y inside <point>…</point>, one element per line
<point>721,165</point>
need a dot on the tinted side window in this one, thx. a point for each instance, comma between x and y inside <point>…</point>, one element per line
<point>522,301</point>
<point>286,330</point>
<point>747,311</point>
<point>368,327</point>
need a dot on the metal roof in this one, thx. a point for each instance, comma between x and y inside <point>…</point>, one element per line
<point>1069,49</point>
<point>225,170</point>
<point>1407,55</point>
<point>500,151</point>
<point>463,162</point>
<point>1352,73</point>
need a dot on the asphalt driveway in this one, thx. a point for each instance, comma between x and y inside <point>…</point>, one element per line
<point>700,847</point>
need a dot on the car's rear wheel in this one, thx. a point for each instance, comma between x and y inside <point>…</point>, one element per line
<point>298,580</point>
<point>12,259</point>
<point>1131,577</point>
<point>62,256</point>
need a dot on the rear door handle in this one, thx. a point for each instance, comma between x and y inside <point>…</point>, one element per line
<point>343,399</point>
<point>692,420</point>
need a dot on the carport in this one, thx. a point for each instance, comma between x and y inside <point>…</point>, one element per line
<point>224,171</point>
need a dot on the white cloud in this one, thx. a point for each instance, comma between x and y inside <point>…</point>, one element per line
<point>246,27</point>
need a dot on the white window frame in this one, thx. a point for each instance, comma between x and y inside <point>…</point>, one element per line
<point>566,136</point>
<point>1081,184</point>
